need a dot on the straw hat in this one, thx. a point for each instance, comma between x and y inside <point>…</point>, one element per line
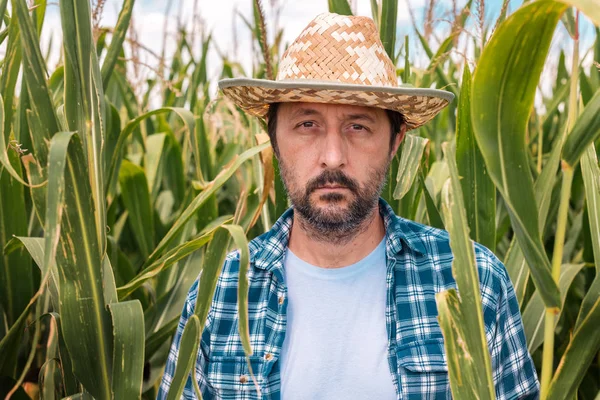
<point>337,59</point>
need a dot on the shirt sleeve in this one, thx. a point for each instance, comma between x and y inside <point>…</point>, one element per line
<point>513,369</point>
<point>188,311</point>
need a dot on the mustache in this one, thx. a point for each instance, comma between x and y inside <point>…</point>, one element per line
<point>332,177</point>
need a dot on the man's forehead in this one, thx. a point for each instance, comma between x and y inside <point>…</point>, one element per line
<point>344,110</point>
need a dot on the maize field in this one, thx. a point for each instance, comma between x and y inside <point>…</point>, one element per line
<point>110,208</point>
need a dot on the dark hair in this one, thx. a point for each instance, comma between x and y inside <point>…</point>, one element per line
<point>396,121</point>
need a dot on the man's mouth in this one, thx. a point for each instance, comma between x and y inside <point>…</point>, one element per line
<point>332,187</point>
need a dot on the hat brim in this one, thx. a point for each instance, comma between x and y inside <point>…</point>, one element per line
<point>417,105</point>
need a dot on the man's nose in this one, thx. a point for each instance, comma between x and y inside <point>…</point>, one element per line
<point>333,151</point>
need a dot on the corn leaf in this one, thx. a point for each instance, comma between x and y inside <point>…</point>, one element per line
<point>70,229</point>
<point>188,351</point>
<point>480,192</point>
<point>410,160</point>
<point>172,256</point>
<point>153,164</point>
<point>84,100</point>
<point>580,352</point>
<point>115,163</point>
<point>339,7</point>
<point>435,219</point>
<point>10,344</point>
<point>535,311</point>
<point>462,369</point>
<point>515,262</point>
<point>128,349</point>
<point>34,72</point>
<point>10,72</point>
<point>16,272</point>
<point>209,190</point>
<point>468,330</point>
<point>591,179</point>
<point>504,86</point>
<point>239,237</point>
<point>585,131</point>
<point>116,43</point>
<point>158,338</point>
<point>134,192</point>
<point>387,31</point>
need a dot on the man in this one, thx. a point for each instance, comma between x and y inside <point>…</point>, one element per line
<point>342,291</point>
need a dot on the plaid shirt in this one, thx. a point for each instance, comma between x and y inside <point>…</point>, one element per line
<point>418,266</point>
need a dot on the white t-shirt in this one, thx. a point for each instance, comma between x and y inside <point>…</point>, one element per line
<point>335,344</point>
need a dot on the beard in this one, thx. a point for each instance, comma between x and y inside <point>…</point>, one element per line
<point>334,222</point>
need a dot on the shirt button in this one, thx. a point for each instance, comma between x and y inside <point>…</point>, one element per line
<point>268,356</point>
<point>281,299</point>
<point>243,379</point>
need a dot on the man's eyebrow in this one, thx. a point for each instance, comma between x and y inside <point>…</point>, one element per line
<point>360,116</point>
<point>304,112</point>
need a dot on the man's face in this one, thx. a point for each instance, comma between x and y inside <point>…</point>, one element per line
<point>333,160</point>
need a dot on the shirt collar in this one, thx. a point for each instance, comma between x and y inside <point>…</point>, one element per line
<point>268,253</point>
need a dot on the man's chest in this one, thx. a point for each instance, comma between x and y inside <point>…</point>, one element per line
<point>403,329</point>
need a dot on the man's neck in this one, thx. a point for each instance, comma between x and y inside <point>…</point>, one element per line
<point>314,250</point>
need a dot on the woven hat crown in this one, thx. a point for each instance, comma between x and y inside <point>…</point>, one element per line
<point>339,48</point>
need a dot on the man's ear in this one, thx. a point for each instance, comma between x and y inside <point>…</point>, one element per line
<point>399,138</point>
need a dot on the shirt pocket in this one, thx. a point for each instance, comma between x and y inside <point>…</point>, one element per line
<point>423,370</point>
<point>230,378</point>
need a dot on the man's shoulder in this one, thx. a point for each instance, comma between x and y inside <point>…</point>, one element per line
<point>254,247</point>
<point>437,245</point>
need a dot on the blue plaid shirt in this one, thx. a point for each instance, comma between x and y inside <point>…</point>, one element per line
<point>418,266</point>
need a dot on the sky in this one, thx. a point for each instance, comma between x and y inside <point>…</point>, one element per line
<point>232,37</point>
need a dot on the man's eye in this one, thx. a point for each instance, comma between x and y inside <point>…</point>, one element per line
<point>357,127</point>
<point>307,124</point>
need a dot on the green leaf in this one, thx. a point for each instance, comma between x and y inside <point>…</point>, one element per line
<point>34,72</point>
<point>436,63</point>
<point>410,160</point>
<point>10,73</point>
<point>35,248</point>
<point>128,349</point>
<point>116,43</point>
<point>503,91</point>
<point>580,352</point>
<point>462,368</point>
<point>199,200</point>
<point>375,11</point>
<point>115,163</point>
<point>16,272</point>
<point>535,311</point>
<point>70,229</point>
<point>435,219</point>
<point>515,260</point>
<point>585,131</point>
<point>389,15</point>
<point>153,162</point>
<point>172,256</point>
<point>134,191</point>
<point>84,100</point>
<point>480,192</point>
<point>239,237</point>
<point>591,179</point>
<point>188,351</point>
<point>4,156</point>
<point>10,345</point>
<point>464,270</point>
<point>339,7</point>
<point>158,338</point>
